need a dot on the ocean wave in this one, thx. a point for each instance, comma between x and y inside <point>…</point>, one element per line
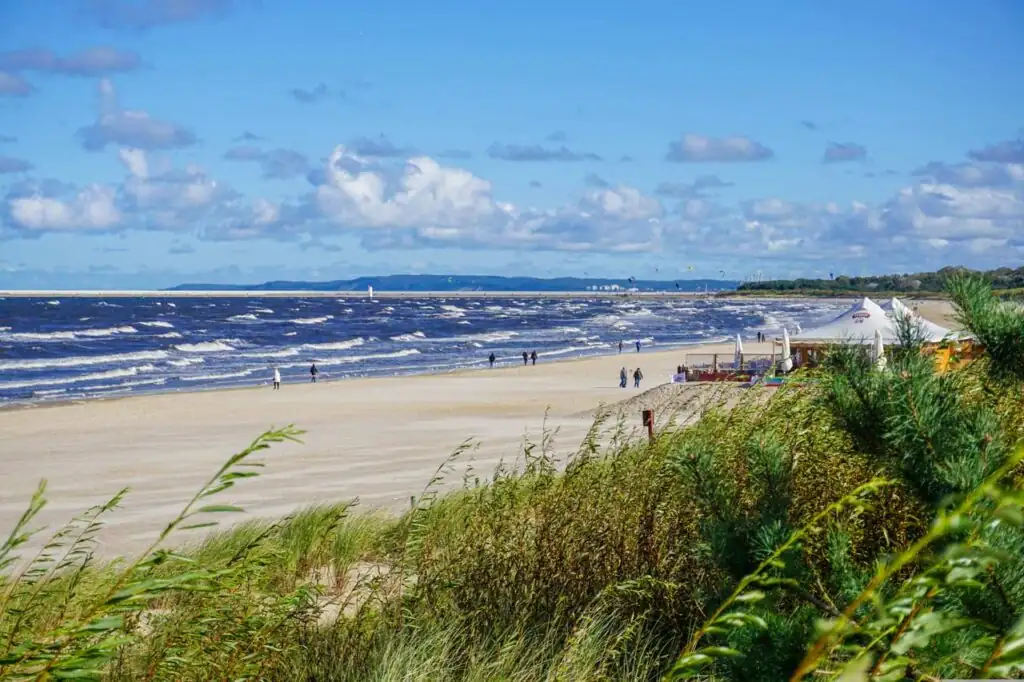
<point>214,377</point>
<point>282,353</point>
<point>158,323</point>
<point>243,318</point>
<point>415,336</point>
<point>119,387</point>
<point>563,351</point>
<point>104,304</point>
<point>46,337</point>
<point>169,335</point>
<point>265,311</point>
<point>335,345</point>
<point>329,362</point>
<point>82,360</point>
<point>492,337</point>
<point>97,376</point>
<point>312,320</point>
<point>206,347</point>
<point>185,362</point>
<point>53,303</point>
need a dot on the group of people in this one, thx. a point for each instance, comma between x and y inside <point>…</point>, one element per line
<point>528,358</point>
<point>313,374</point>
<point>624,377</point>
<point>761,338</point>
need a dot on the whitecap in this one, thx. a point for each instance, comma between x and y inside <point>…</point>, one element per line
<point>335,345</point>
<point>98,376</point>
<point>214,377</point>
<point>205,347</point>
<point>83,360</point>
<point>312,320</point>
<point>158,323</point>
<point>243,318</point>
<point>415,336</point>
<point>347,360</point>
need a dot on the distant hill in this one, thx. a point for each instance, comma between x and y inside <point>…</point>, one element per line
<point>457,283</point>
<point>920,282</point>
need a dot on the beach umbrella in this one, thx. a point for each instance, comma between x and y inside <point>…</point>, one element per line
<point>787,361</point>
<point>739,351</point>
<point>878,351</point>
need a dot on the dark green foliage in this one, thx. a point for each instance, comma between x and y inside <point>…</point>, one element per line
<point>920,282</point>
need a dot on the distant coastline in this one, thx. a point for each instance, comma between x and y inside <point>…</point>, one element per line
<point>305,293</point>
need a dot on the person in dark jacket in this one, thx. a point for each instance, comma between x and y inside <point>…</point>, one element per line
<point>637,376</point>
<point>623,378</point>
<point>491,359</point>
<point>313,371</point>
<point>526,358</point>
<point>533,357</point>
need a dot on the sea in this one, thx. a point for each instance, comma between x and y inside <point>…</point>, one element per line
<point>74,348</point>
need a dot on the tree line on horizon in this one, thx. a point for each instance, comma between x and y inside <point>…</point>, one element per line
<point>933,282</point>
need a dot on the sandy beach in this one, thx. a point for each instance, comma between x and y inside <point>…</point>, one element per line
<point>376,439</point>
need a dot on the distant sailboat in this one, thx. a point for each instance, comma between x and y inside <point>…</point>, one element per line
<point>369,290</point>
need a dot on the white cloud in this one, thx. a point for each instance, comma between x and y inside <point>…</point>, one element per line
<point>130,128</point>
<point>426,194</point>
<point>91,209</point>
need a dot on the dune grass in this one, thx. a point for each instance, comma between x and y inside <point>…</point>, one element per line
<point>867,525</point>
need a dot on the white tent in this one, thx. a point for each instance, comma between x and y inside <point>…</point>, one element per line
<point>933,332</point>
<point>739,351</point>
<point>858,325</point>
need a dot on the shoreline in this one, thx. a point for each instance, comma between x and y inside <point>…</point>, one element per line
<point>16,406</point>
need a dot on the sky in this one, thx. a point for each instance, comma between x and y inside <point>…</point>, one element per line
<point>145,143</point>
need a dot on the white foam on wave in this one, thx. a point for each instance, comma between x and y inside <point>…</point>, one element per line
<point>415,336</point>
<point>312,320</point>
<point>158,323</point>
<point>5,329</point>
<point>281,353</point>
<point>243,318</point>
<point>488,336</point>
<point>47,337</point>
<point>169,335</point>
<point>53,303</point>
<point>185,362</point>
<point>98,376</point>
<point>563,351</point>
<point>83,360</point>
<point>214,377</point>
<point>328,362</point>
<point>111,388</point>
<point>265,311</point>
<point>104,304</point>
<point>335,345</point>
<point>219,346</point>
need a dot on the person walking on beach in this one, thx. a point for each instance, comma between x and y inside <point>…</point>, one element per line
<point>491,359</point>
<point>620,347</point>
<point>277,378</point>
<point>623,377</point>
<point>637,376</point>
<point>638,345</point>
<point>526,358</point>
<point>533,357</point>
<point>313,371</point>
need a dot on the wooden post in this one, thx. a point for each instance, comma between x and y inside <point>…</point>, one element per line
<point>648,417</point>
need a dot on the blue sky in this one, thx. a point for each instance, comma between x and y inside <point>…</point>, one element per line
<point>148,142</point>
